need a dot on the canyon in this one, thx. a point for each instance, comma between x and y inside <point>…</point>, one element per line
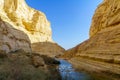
<point>25,28</point>
<point>101,51</point>
<point>27,50</point>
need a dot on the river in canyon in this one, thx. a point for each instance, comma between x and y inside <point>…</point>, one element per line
<point>68,72</point>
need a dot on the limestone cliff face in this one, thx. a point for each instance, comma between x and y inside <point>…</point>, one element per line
<point>104,41</point>
<point>26,19</point>
<point>25,27</point>
<point>104,33</point>
<point>106,17</point>
<point>12,39</point>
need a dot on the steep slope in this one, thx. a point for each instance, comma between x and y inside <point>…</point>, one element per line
<point>47,48</point>
<point>20,27</point>
<point>104,41</point>
<point>31,22</point>
<point>12,39</point>
<point>24,18</point>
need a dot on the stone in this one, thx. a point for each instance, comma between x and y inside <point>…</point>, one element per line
<point>22,26</point>
<point>30,21</point>
<point>12,39</point>
<point>37,61</point>
<point>48,49</point>
<point>104,33</point>
<point>104,42</point>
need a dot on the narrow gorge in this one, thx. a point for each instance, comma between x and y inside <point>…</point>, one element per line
<point>28,51</point>
<point>100,53</point>
<point>25,28</point>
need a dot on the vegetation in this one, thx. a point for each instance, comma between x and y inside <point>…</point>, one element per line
<point>19,66</point>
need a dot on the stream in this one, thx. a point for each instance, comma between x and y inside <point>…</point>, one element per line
<point>67,72</point>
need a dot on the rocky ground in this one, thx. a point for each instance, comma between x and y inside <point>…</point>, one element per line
<point>27,66</point>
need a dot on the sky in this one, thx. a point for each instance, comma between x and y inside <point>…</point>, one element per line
<point>70,19</point>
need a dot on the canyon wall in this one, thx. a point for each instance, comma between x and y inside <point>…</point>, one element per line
<point>12,39</point>
<point>26,19</point>
<point>21,27</point>
<point>104,42</point>
<point>27,26</point>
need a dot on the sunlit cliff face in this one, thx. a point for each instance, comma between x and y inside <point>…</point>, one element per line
<point>106,17</point>
<point>104,38</point>
<point>26,19</point>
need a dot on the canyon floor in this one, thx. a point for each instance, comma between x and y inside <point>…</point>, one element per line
<point>99,70</point>
<point>20,65</point>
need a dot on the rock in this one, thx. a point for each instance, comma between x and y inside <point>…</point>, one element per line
<point>12,39</point>
<point>104,41</point>
<point>30,21</point>
<point>104,38</point>
<point>38,61</point>
<point>17,66</point>
<point>106,17</point>
<point>22,26</point>
<point>48,48</point>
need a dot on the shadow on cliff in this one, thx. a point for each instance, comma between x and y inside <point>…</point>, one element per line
<point>13,39</point>
<point>48,48</point>
<point>20,63</point>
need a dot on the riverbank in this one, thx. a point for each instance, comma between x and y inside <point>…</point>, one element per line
<point>99,70</point>
<point>69,73</point>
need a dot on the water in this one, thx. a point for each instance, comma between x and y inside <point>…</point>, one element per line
<point>68,72</point>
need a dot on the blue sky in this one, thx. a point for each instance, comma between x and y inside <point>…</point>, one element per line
<point>70,19</point>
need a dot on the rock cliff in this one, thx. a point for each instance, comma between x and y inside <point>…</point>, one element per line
<point>26,19</point>
<point>27,26</point>
<point>104,41</point>
<point>21,28</point>
<point>12,39</point>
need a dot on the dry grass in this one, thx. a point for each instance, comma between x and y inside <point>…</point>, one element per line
<point>18,66</point>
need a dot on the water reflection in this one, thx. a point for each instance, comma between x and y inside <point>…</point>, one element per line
<point>68,73</point>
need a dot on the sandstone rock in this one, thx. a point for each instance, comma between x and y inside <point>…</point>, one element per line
<point>26,19</point>
<point>12,39</point>
<point>38,61</point>
<point>48,48</point>
<point>104,33</point>
<point>21,23</point>
<point>104,41</point>
<point>106,17</point>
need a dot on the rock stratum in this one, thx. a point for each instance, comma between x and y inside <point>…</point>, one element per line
<point>22,31</point>
<point>26,19</point>
<point>47,48</point>
<point>104,42</point>
<point>22,26</point>
<point>12,39</point>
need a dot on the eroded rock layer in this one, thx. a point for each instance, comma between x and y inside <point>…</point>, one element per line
<point>106,17</point>
<point>104,41</point>
<point>12,39</point>
<point>23,26</point>
<point>26,19</point>
<point>47,48</point>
